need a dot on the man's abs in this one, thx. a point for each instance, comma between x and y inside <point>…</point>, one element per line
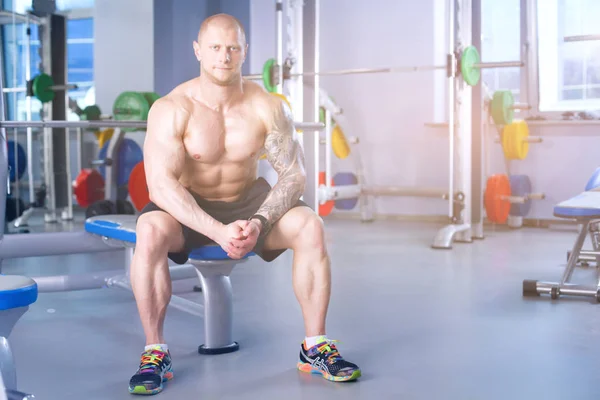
<point>220,182</point>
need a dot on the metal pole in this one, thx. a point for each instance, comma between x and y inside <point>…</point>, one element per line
<point>500,64</point>
<point>328,128</point>
<point>116,124</point>
<point>581,38</point>
<point>317,87</point>
<point>68,215</point>
<point>451,107</point>
<point>279,43</point>
<point>79,149</point>
<point>29,112</point>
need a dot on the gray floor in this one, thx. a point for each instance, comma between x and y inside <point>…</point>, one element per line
<point>422,324</point>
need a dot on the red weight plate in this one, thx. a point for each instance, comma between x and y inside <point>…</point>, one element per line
<point>138,188</point>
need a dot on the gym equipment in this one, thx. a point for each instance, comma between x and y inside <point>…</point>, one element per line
<point>339,144</point>
<point>504,196</point>
<point>516,139</point>
<point>43,88</point>
<point>468,63</point>
<point>581,38</point>
<point>88,187</point>
<point>104,136</point>
<point>325,207</point>
<point>585,210</point>
<point>341,179</point>
<point>503,106</point>
<point>133,106</point>
<point>91,113</point>
<point>213,268</point>
<point>17,293</point>
<point>17,161</point>
<point>129,155</point>
<point>594,181</point>
<point>138,188</point>
<point>19,156</point>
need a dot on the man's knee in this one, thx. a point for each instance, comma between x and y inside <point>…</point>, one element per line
<point>157,230</point>
<point>311,234</point>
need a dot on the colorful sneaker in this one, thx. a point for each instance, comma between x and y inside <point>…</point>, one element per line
<point>155,368</point>
<point>325,359</point>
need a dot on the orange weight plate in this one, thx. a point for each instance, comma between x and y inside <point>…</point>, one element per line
<point>138,189</point>
<point>88,187</point>
<point>495,199</point>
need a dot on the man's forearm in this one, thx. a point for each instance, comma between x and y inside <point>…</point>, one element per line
<point>176,200</point>
<point>283,196</point>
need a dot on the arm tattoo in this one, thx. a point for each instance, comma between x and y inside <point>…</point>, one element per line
<point>285,155</point>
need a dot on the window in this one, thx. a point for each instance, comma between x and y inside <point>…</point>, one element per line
<point>501,41</point>
<point>569,72</point>
<point>80,59</point>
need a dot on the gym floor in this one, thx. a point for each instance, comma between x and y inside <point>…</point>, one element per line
<point>421,323</point>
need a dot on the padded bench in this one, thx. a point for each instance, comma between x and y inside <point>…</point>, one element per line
<point>585,210</point>
<point>17,293</point>
<point>212,265</point>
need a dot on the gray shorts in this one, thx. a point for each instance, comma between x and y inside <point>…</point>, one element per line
<point>226,213</point>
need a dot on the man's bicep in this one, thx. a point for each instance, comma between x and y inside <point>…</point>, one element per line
<point>281,146</point>
<point>164,153</point>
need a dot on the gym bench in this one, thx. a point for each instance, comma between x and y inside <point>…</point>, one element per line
<point>17,293</point>
<point>585,210</point>
<point>212,266</point>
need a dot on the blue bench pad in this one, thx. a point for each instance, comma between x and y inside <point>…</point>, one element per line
<point>17,291</point>
<point>122,227</point>
<point>584,205</point>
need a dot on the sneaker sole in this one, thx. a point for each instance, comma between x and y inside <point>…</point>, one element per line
<point>141,389</point>
<point>309,369</point>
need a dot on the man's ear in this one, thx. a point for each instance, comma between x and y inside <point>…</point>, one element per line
<point>196,46</point>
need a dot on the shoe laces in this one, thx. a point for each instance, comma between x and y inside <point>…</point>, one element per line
<point>329,351</point>
<point>151,358</point>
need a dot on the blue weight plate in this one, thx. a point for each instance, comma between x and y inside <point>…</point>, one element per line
<point>16,171</point>
<point>341,179</point>
<point>130,153</point>
<point>520,185</point>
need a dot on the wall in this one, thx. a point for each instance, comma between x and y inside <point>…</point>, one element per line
<point>387,112</point>
<point>123,49</point>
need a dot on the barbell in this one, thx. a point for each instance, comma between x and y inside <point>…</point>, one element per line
<point>42,87</point>
<point>468,64</point>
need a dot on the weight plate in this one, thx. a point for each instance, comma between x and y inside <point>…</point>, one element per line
<point>267,75</point>
<point>20,157</point>
<point>88,187</point>
<point>341,179</point>
<point>91,113</point>
<point>339,143</point>
<point>470,73</point>
<point>502,103</point>
<point>138,187</point>
<point>131,106</point>
<point>282,97</point>
<point>520,185</point>
<point>151,97</point>
<point>42,88</point>
<point>102,207</point>
<point>128,156</point>
<point>496,205</point>
<point>521,135</point>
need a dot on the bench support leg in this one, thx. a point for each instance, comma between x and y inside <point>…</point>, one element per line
<point>8,319</point>
<point>218,307</point>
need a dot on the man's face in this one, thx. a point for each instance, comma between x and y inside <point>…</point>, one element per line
<point>221,53</point>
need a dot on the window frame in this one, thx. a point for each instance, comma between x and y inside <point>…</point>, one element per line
<point>530,76</point>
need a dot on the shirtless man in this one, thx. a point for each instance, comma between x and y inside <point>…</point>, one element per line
<point>202,146</point>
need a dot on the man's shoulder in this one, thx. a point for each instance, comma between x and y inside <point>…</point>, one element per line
<point>266,103</point>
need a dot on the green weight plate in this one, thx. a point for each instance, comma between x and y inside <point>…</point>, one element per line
<point>267,75</point>
<point>470,73</point>
<point>91,113</point>
<point>502,111</point>
<point>151,97</point>
<point>42,88</point>
<point>131,106</point>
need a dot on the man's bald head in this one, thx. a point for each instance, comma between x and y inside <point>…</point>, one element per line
<point>222,22</point>
<point>221,49</point>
